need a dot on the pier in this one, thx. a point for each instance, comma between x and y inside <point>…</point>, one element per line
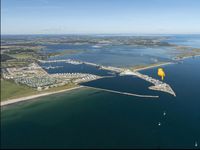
<point>123,93</point>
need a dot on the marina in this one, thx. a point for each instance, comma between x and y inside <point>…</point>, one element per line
<point>158,85</point>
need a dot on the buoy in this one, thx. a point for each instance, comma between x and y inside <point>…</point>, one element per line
<point>159,124</point>
<point>164,113</point>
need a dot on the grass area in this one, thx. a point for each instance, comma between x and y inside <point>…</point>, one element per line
<point>71,85</point>
<point>14,63</point>
<point>22,56</point>
<point>11,90</point>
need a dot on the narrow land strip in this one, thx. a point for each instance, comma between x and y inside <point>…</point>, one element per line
<point>123,93</point>
<point>153,66</point>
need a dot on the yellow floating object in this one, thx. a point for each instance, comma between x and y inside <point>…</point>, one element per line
<point>161,73</point>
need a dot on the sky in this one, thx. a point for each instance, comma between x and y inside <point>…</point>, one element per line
<point>100,16</point>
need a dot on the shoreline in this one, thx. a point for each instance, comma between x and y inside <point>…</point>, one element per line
<point>165,63</point>
<point>16,100</point>
<point>185,57</point>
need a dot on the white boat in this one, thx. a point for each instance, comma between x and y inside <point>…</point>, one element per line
<point>96,46</point>
<point>196,144</point>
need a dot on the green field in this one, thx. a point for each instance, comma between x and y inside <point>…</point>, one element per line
<point>22,56</point>
<point>10,89</point>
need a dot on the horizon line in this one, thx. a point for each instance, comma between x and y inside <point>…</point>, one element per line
<point>2,34</point>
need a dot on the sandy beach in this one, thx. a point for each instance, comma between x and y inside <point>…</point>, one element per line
<point>11,101</point>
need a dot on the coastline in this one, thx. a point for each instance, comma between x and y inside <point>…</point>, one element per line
<point>185,57</point>
<point>165,63</point>
<point>16,100</point>
<point>12,101</point>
